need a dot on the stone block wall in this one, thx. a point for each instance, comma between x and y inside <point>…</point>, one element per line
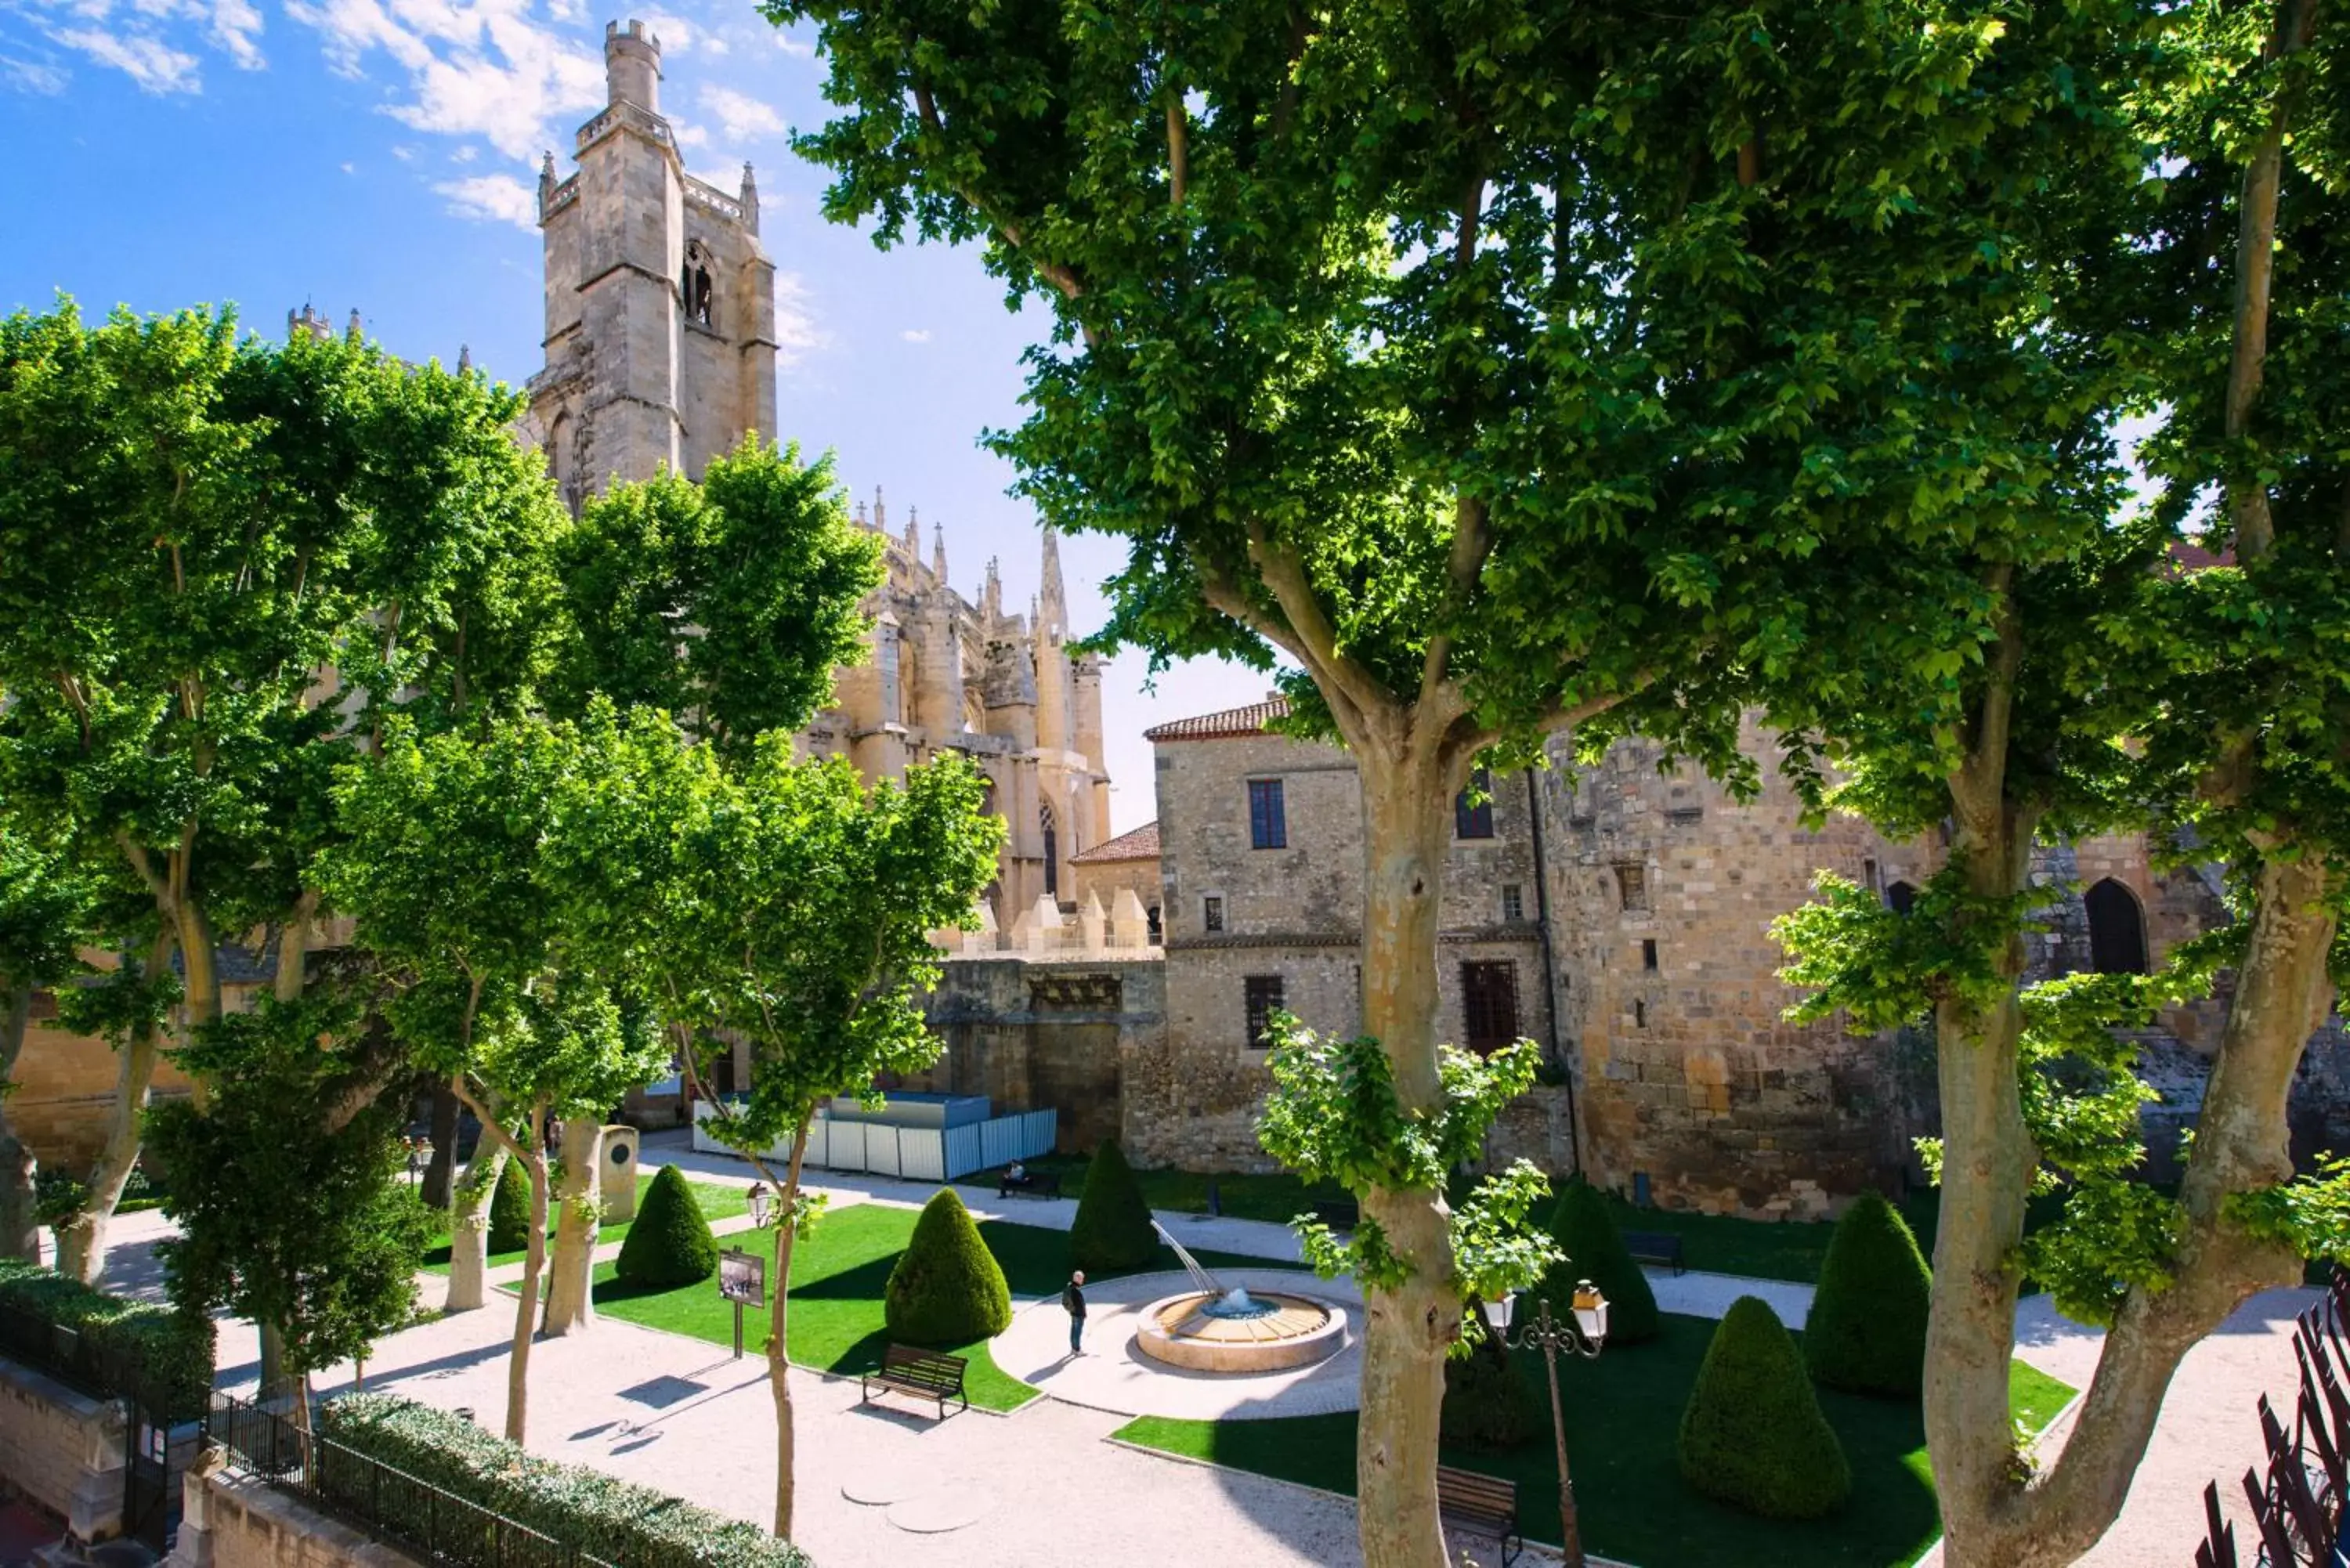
<point>63,1450</point>
<point>232,1521</point>
<point>62,1094</point>
<point>1037,1034</point>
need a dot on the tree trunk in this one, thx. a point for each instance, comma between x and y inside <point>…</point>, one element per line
<point>469,1226</point>
<point>1407,803</point>
<point>273,1381</point>
<point>20,1225</point>
<point>82,1241</point>
<point>533,1267</point>
<point>779,1319</point>
<point>443,1163</point>
<point>2242,1143</point>
<point>570,1294</point>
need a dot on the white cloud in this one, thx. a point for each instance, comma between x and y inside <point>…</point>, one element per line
<point>499,197</point>
<point>30,76</point>
<point>236,27</point>
<point>796,332</point>
<point>465,154</point>
<point>350,168</point>
<point>916,335</point>
<point>741,117</point>
<point>146,59</point>
<point>405,153</point>
<point>792,46</point>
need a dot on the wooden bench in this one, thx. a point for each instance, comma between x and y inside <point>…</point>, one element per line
<point>924,1374</point>
<point>1339,1214</point>
<point>1487,1504</point>
<point>1661,1248</point>
<point>1036,1184</point>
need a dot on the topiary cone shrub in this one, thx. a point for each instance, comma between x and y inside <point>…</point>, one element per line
<point>1489,1406</point>
<point>1752,1435</point>
<point>670,1243</point>
<point>947,1288</point>
<point>1866,1330</point>
<point>1112,1233</point>
<point>1586,1231</point>
<point>510,1209</point>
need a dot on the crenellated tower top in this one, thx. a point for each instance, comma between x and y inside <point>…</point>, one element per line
<point>632,71</point>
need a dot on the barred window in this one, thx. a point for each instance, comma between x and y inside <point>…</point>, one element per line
<point>1489,1005</point>
<point>1262,994</point>
<point>1513,903</point>
<point>1211,912</point>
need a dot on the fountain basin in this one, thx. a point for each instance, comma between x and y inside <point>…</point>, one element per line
<point>1281,1331</point>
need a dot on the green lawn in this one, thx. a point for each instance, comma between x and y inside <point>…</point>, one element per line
<point>838,1275</point>
<point>717,1203</point>
<point>1622,1411</point>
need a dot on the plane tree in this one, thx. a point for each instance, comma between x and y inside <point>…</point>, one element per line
<point>222,562</point>
<point>2171,669</point>
<point>1508,367</point>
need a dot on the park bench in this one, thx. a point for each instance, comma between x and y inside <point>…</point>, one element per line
<point>924,1374</point>
<point>1036,1184</point>
<point>1485,1503</point>
<point>1658,1247</point>
<point>1339,1214</point>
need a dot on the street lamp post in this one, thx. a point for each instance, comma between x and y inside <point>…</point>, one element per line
<point>1582,1335</point>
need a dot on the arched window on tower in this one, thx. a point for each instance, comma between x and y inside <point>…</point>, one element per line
<point>2116,930</point>
<point>693,284</point>
<point>1052,851</point>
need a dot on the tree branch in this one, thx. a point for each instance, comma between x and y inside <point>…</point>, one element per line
<point>1178,153</point>
<point>1054,272</point>
<point>1283,571</point>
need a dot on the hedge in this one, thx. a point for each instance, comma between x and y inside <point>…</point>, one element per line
<point>1752,1435</point>
<point>1585,1229</point>
<point>1489,1406</point>
<point>947,1287</point>
<point>584,1509</point>
<point>173,1354</point>
<point>510,1209</point>
<point>670,1243</point>
<point>1112,1233</point>
<point>1866,1330</point>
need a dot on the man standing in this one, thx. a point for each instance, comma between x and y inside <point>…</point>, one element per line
<point>1073,1302</point>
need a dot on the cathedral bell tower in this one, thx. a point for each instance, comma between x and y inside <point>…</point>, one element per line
<point>660,303</point>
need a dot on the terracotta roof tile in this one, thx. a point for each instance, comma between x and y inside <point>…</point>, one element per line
<point>1142,844</point>
<point>1249,721</point>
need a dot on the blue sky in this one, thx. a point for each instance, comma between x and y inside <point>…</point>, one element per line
<point>382,155</point>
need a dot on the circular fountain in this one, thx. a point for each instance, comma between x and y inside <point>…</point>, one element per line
<point>1209,1328</point>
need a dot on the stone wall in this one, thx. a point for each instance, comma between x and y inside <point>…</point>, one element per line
<point>1037,1034</point>
<point>1663,890</point>
<point>232,1521</point>
<point>63,1450</point>
<point>61,1094</point>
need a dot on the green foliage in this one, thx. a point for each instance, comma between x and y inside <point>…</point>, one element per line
<point>760,560</point>
<point>1489,1406</point>
<point>669,1244</point>
<point>1856,954</point>
<point>1333,1114</point>
<point>510,1209</point>
<point>1593,1249</point>
<point>1866,1332</point>
<point>947,1287</point>
<point>47,910</point>
<point>286,1217</point>
<point>1494,1250</point>
<point>173,1350</point>
<point>1752,1435</point>
<point>586,1509</point>
<point>1112,1233</point>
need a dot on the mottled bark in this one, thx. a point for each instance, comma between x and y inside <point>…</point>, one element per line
<point>533,1266</point>
<point>779,1320</point>
<point>443,1163</point>
<point>1407,802</point>
<point>570,1298</point>
<point>82,1240</point>
<point>469,1226</point>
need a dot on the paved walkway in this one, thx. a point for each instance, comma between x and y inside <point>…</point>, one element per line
<point>1114,1375</point>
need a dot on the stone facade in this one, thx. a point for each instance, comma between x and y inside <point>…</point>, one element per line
<point>63,1450</point>
<point>660,303</point>
<point>233,1520</point>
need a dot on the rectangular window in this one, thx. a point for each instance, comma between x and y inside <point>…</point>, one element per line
<point>1475,821</point>
<point>1211,912</point>
<point>1268,828</point>
<point>1263,992</point>
<point>1513,903</point>
<point>1489,1005</point>
<point>1632,886</point>
<point>1649,952</point>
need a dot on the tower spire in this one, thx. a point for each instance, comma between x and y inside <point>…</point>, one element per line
<point>913,533</point>
<point>939,552</point>
<point>1052,606</point>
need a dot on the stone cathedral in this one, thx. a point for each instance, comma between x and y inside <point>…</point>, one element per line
<point>660,352</point>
